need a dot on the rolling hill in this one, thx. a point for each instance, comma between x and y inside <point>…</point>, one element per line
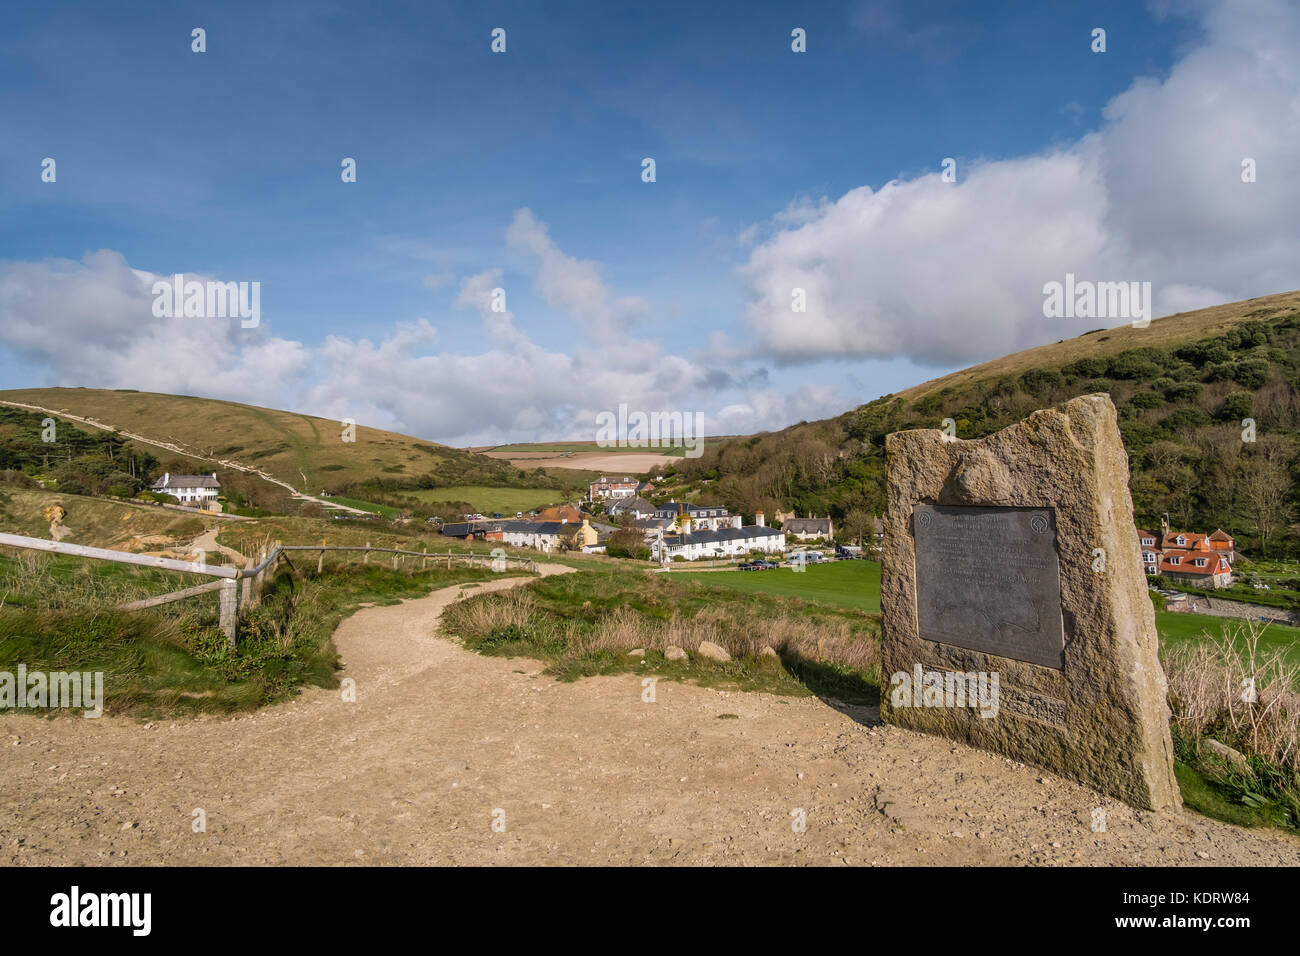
<point>296,452</point>
<point>1183,387</point>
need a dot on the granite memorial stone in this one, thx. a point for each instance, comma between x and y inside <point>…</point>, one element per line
<point>1011,570</point>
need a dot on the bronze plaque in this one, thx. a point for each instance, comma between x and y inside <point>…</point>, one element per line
<point>988,579</point>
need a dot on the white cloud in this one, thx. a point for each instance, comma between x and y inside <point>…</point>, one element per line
<point>91,323</point>
<point>573,284</point>
<point>949,273</point>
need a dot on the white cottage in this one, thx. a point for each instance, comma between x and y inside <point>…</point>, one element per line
<point>720,543</point>
<point>189,489</point>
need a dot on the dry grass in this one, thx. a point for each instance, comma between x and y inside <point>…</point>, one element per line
<point>624,629</point>
<point>1208,690</point>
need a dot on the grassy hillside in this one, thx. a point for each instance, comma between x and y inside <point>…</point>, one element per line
<point>303,451</point>
<point>1182,387</point>
<point>307,452</point>
<point>96,522</point>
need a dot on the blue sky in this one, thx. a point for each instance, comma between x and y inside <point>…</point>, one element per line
<point>770,164</point>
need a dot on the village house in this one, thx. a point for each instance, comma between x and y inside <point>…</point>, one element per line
<point>605,488</point>
<point>559,513</point>
<point>809,529</point>
<point>634,507</point>
<point>199,490</point>
<point>473,530</point>
<point>546,536</point>
<point>1200,560</point>
<point>701,517</point>
<point>727,542</point>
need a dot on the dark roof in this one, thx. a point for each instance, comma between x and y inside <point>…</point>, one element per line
<point>722,534</point>
<point>649,524</point>
<point>540,527</point>
<point>463,529</point>
<point>635,503</point>
<point>186,481</point>
<point>685,507</point>
<point>806,525</point>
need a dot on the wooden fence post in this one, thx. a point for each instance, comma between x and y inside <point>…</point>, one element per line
<point>366,559</point>
<point>396,558</point>
<point>320,562</point>
<point>424,562</point>
<point>229,610</point>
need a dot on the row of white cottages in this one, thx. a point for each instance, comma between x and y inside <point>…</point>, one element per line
<point>719,542</point>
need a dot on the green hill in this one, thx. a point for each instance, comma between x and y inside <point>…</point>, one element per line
<point>1182,386</point>
<point>301,450</point>
<point>257,451</point>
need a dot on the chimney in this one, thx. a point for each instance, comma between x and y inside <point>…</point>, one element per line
<point>686,526</point>
<point>167,477</point>
<point>760,519</point>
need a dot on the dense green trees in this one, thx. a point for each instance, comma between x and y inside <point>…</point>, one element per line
<point>1185,414</point>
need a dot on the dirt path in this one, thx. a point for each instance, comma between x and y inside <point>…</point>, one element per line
<point>207,543</point>
<point>439,738</point>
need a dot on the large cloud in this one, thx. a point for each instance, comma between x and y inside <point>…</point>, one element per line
<point>91,323</point>
<point>953,272</point>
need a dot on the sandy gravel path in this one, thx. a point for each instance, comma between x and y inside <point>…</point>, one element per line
<point>440,738</point>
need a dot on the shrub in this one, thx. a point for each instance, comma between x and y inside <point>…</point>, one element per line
<point>1237,406</point>
<point>1086,368</point>
<point>1183,391</point>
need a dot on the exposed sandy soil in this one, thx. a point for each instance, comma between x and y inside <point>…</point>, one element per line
<point>613,463</point>
<point>586,772</point>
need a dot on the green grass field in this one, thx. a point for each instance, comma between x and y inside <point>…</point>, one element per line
<point>1179,628</point>
<point>386,510</point>
<point>489,501</point>
<point>851,584</point>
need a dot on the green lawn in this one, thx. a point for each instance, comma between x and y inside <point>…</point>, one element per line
<point>852,584</point>
<point>386,510</point>
<point>1179,628</point>
<point>489,501</point>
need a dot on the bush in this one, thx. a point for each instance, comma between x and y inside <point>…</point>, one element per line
<point>1236,406</point>
<point>1183,391</point>
<point>1147,400</point>
<point>1038,381</point>
<point>1086,368</point>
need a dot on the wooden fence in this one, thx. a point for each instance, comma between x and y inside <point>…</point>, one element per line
<point>252,578</point>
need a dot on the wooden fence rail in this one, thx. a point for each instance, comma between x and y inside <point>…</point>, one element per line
<point>252,577</point>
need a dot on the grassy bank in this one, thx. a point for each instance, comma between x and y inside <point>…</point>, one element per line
<point>485,500</point>
<point>59,614</point>
<point>1242,693</point>
<point>586,623</point>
